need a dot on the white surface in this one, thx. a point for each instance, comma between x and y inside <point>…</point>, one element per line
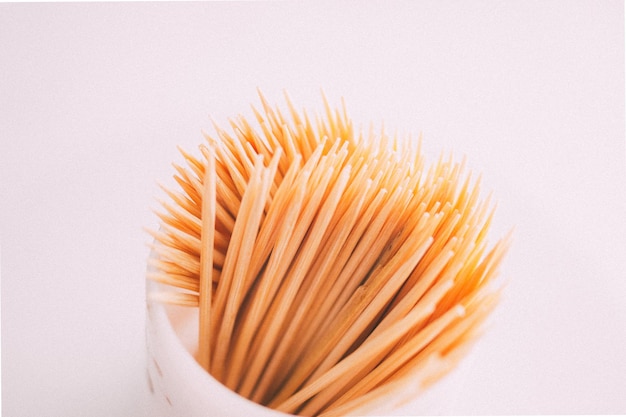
<point>94,99</point>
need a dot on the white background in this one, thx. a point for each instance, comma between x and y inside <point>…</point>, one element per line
<point>94,99</point>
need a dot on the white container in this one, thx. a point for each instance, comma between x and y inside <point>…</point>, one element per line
<point>180,387</point>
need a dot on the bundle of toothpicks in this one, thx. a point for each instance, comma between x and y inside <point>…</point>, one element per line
<point>329,267</point>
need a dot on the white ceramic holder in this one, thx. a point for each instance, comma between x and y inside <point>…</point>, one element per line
<point>180,387</point>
